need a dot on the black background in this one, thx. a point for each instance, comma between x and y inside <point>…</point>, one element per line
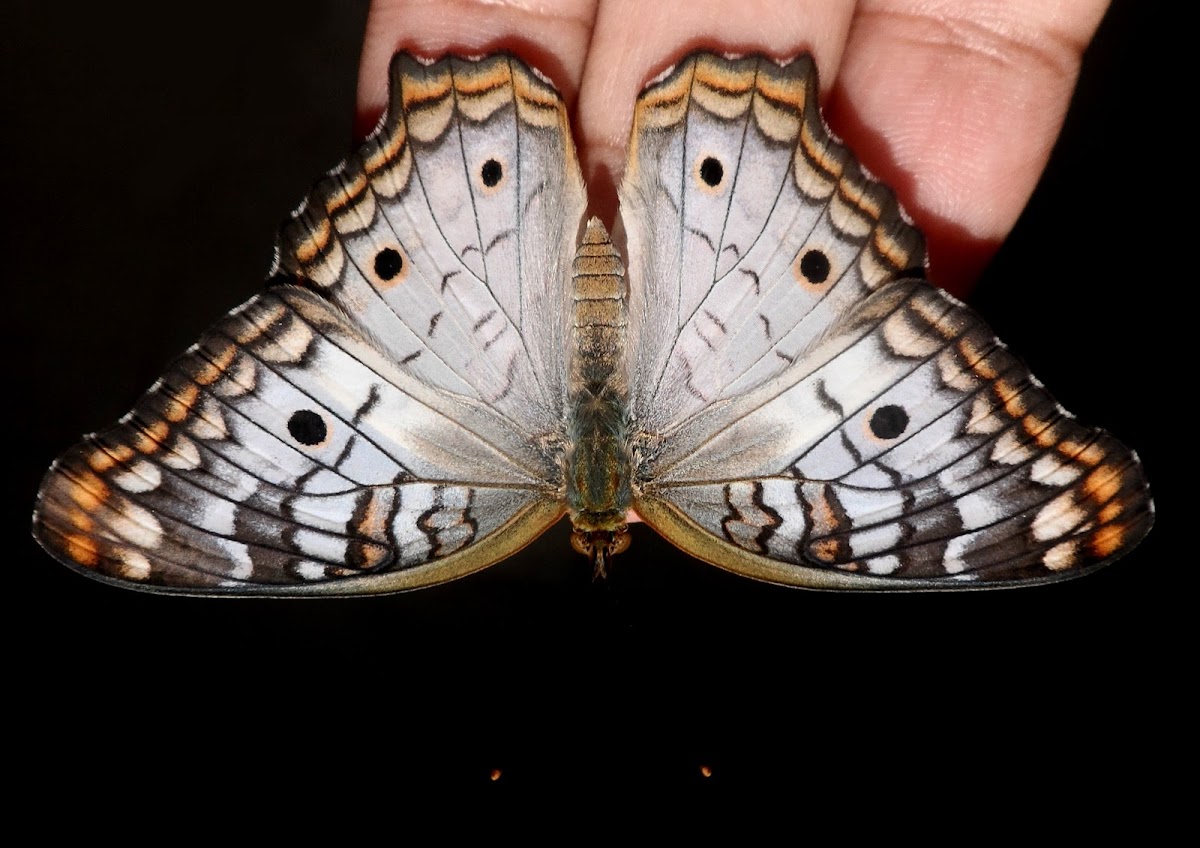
<point>147,164</point>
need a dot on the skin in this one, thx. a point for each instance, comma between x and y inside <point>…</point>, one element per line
<point>954,103</point>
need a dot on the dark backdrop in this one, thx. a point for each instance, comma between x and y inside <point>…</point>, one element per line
<point>147,163</point>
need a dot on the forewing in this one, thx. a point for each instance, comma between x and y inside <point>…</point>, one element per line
<point>750,230</point>
<point>450,233</point>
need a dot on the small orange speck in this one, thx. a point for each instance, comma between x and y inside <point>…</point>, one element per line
<point>174,411</point>
<point>1040,430</point>
<point>209,372</point>
<point>778,90</point>
<point>495,775</point>
<point>706,771</point>
<point>976,359</point>
<point>347,195</point>
<point>818,152</point>
<point>80,520</point>
<point>722,78</point>
<point>1092,454</point>
<point>318,238</point>
<point>900,258</point>
<point>188,395</point>
<point>103,459</point>
<point>483,80</point>
<point>1107,539</point>
<point>1102,484</point>
<point>83,550</point>
<point>89,491</point>
<point>1010,396</point>
<point>149,439</point>
<point>100,461</point>
<point>1073,449</point>
<point>823,519</point>
<point>826,550</point>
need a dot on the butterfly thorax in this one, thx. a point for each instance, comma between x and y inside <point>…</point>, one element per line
<point>598,459</point>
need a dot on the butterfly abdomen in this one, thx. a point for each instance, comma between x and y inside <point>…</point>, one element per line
<point>598,456</point>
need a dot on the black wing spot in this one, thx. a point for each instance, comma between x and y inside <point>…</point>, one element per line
<point>889,421</point>
<point>491,173</point>
<point>388,263</point>
<point>814,265</point>
<point>307,427</point>
<point>712,172</point>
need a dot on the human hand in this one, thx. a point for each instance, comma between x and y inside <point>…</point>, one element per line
<point>954,104</point>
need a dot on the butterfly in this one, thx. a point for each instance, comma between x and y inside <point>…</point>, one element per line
<point>449,358</point>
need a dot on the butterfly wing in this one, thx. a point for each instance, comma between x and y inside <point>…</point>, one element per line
<point>365,426</point>
<point>449,235</point>
<point>809,415</point>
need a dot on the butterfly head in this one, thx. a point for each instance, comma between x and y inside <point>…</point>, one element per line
<point>600,545</point>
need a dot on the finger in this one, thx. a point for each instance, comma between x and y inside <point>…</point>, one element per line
<point>553,36</point>
<point>632,41</point>
<point>957,106</point>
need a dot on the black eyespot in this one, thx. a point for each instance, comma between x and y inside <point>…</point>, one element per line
<point>889,421</point>
<point>307,427</point>
<point>814,265</point>
<point>712,172</point>
<point>491,173</point>
<point>388,263</point>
